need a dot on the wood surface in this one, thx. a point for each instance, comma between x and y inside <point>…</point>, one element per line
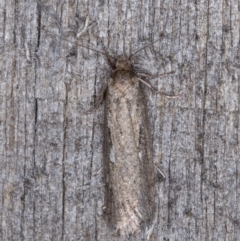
<point>51,153</point>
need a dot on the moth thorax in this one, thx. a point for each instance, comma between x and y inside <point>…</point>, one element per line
<point>123,63</point>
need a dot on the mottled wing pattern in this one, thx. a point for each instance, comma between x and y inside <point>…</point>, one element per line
<point>129,169</point>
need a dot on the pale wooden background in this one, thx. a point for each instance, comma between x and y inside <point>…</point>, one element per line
<point>50,152</point>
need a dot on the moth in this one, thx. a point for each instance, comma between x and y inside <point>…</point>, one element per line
<point>128,165</point>
<point>127,150</point>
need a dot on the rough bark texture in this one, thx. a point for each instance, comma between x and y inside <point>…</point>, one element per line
<point>50,152</point>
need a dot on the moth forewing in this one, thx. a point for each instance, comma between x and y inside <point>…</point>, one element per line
<point>128,160</point>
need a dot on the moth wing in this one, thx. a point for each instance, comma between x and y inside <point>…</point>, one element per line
<point>128,158</point>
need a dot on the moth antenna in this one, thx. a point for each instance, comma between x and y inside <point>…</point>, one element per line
<point>110,63</point>
<point>81,45</point>
<point>160,39</point>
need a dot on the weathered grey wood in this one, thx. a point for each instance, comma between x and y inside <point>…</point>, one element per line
<point>50,152</point>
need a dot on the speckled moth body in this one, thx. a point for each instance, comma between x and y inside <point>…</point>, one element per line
<point>128,155</point>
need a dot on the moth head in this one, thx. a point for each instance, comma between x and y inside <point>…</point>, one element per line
<point>123,63</point>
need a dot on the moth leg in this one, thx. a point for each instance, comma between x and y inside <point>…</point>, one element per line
<point>159,171</point>
<point>155,76</point>
<point>170,96</point>
<point>155,90</point>
<point>110,63</point>
<point>148,85</point>
<point>100,99</point>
